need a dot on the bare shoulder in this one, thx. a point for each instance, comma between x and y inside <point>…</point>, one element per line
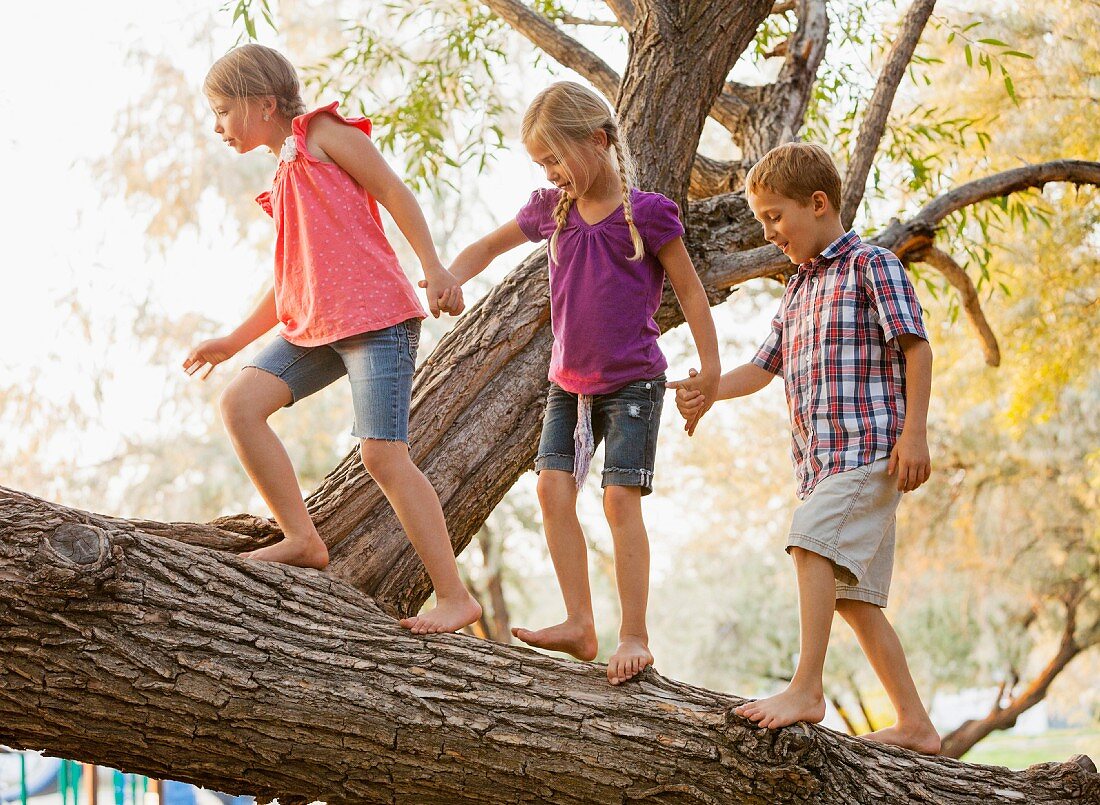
<point>328,135</point>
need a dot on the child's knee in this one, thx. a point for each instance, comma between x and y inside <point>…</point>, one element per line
<point>555,489</point>
<point>622,504</point>
<point>235,407</point>
<point>381,457</point>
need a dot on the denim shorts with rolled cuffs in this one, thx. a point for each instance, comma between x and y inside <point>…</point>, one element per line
<point>379,365</point>
<point>626,421</point>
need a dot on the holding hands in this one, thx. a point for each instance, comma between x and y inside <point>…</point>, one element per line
<point>444,292</point>
<point>694,397</point>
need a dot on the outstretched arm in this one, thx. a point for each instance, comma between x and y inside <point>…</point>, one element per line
<point>353,151</point>
<point>693,301</point>
<point>210,353</point>
<point>472,260</point>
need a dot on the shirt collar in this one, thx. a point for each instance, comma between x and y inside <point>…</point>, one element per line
<point>837,248</point>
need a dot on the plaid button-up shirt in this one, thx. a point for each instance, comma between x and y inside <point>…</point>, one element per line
<point>834,343</point>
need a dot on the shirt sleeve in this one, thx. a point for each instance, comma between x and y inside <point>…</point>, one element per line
<point>658,222</point>
<point>893,297</point>
<point>770,355</point>
<point>264,200</point>
<point>536,213</point>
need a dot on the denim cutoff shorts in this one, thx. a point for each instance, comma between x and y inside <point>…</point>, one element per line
<point>379,364</point>
<point>626,420</point>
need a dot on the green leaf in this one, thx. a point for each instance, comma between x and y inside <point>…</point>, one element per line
<point>969,56</point>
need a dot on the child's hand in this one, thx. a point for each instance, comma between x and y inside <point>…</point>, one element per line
<point>209,354</point>
<point>444,292</point>
<point>910,458</point>
<point>694,397</point>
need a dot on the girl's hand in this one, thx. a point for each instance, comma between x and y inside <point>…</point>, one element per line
<point>694,397</point>
<point>444,292</point>
<point>209,354</point>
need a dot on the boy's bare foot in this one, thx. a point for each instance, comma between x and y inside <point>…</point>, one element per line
<point>449,615</point>
<point>783,709</point>
<point>921,738</point>
<point>308,552</point>
<point>629,659</point>
<point>572,637</point>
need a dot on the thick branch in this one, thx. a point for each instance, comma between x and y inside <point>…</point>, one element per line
<point>779,108</point>
<point>555,42</point>
<point>155,657</point>
<point>878,110</point>
<point>968,296</point>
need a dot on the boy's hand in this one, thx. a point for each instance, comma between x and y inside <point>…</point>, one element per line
<point>209,354</point>
<point>910,458</point>
<point>694,397</point>
<point>443,291</point>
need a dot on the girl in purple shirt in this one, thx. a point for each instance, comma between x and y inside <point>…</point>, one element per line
<point>610,247</point>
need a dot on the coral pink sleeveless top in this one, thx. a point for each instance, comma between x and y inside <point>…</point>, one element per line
<point>336,275</point>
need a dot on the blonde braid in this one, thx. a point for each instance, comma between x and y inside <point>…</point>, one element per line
<point>622,160</point>
<point>561,211</point>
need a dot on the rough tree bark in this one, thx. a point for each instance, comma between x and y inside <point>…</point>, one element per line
<point>125,642</point>
<point>130,649</point>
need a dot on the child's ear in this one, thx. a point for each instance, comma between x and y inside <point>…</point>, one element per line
<point>820,201</point>
<point>600,137</point>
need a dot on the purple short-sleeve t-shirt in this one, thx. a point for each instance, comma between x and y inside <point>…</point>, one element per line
<point>601,302</point>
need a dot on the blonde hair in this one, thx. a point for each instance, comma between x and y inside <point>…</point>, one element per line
<point>252,71</point>
<point>797,171</point>
<point>560,118</point>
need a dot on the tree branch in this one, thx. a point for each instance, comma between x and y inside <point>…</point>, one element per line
<point>959,741</point>
<point>152,656</point>
<point>556,43</point>
<point>623,11</point>
<point>905,239</point>
<point>878,110</point>
<point>968,294</point>
<point>779,108</point>
<point>733,266</point>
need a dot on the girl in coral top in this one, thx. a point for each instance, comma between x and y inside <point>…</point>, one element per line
<point>346,308</point>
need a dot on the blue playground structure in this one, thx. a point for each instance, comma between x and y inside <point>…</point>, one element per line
<point>24,775</point>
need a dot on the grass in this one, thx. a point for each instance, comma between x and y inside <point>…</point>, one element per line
<point>1021,751</point>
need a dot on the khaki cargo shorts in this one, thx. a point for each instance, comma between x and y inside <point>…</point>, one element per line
<point>849,519</point>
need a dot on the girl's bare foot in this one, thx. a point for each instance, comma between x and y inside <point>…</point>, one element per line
<point>573,637</point>
<point>783,709</point>
<point>921,738</point>
<point>449,615</point>
<point>307,552</point>
<point>629,659</point>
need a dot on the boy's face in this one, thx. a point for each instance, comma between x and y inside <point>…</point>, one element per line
<point>796,228</point>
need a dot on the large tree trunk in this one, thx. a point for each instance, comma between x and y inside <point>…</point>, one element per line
<point>173,661</point>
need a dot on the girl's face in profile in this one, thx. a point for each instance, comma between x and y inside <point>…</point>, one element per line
<point>238,121</point>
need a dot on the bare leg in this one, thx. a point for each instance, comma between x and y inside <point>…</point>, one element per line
<point>623,507</point>
<point>576,635</point>
<point>417,508</point>
<point>804,698</point>
<point>246,404</point>
<point>880,643</point>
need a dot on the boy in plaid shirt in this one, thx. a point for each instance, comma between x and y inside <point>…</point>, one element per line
<point>851,347</point>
